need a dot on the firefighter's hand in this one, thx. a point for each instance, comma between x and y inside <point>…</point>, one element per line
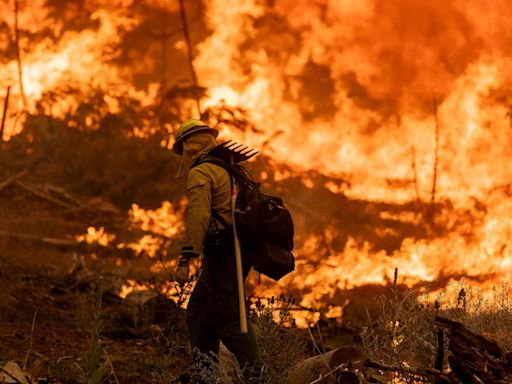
<point>195,267</point>
<point>182,271</point>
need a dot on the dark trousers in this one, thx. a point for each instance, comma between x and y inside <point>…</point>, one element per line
<point>213,317</point>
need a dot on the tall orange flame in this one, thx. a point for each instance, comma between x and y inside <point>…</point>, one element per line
<point>355,89</point>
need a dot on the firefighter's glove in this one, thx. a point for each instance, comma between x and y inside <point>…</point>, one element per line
<point>183,271</point>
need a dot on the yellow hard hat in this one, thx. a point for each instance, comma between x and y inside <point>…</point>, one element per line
<point>188,128</point>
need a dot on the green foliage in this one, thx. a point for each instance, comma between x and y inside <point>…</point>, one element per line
<point>95,368</point>
<point>94,371</point>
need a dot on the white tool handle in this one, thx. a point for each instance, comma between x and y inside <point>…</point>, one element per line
<point>238,256</point>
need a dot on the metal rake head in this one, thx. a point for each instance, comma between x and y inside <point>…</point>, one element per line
<point>232,151</point>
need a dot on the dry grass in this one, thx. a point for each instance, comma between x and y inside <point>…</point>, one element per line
<point>401,334</point>
<point>404,334</point>
<point>485,313</point>
<point>280,342</point>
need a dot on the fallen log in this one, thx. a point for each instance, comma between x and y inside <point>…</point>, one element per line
<point>323,368</point>
<point>42,239</point>
<point>94,204</point>
<point>427,372</point>
<point>4,116</point>
<point>69,244</point>
<point>61,192</point>
<point>473,358</point>
<point>12,179</point>
<point>35,191</point>
<point>11,372</point>
<point>64,199</point>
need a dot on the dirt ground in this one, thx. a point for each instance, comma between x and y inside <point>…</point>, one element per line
<point>53,187</point>
<point>50,297</point>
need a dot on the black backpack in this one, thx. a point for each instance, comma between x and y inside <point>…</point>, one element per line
<point>264,225</point>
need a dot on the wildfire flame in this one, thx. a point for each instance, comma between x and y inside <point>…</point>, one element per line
<point>392,73</point>
<point>165,223</point>
<point>353,89</point>
<point>96,236</point>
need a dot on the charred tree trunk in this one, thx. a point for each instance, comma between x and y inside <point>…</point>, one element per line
<point>4,116</point>
<point>473,358</point>
<point>415,174</point>
<point>164,62</point>
<point>163,39</point>
<point>186,33</point>
<point>432,210</point>
<point>438,364</point>
<point>18,53</point>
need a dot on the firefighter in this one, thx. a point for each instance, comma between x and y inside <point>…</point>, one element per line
<point>212,311</point>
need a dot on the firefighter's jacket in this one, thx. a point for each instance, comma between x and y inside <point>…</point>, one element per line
<point>208,188</point>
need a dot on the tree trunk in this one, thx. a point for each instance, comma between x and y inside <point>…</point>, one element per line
<point>4,116</point>
<point>184,22</point>
<point>436,160</point>
<point>18,53</point>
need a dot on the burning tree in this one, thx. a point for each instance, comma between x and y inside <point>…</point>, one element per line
<point>338,95</point>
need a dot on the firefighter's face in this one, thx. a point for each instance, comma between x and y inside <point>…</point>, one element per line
<point>197,142</point>
<point>192,146</point>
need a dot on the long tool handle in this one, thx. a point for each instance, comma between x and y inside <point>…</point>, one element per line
<point>6,106</point>
<point>239,268</point>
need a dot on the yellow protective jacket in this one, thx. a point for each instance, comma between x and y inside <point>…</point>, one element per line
<point>208,188</point>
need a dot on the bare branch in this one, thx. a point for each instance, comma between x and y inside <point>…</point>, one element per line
<point>184,22</point>
<point>4,116</point>
<point>18,53</point>
<point>436,161</point>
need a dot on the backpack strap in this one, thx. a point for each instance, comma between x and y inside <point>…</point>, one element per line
<point>232,169</point>
<point>240,173</point>
<point>220,219</point>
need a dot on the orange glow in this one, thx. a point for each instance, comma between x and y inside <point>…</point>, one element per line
<point>351,90</point>
<point>386,52</point>
<point>130,286</point>
<point>165,222</point>
<point>96,236</point>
